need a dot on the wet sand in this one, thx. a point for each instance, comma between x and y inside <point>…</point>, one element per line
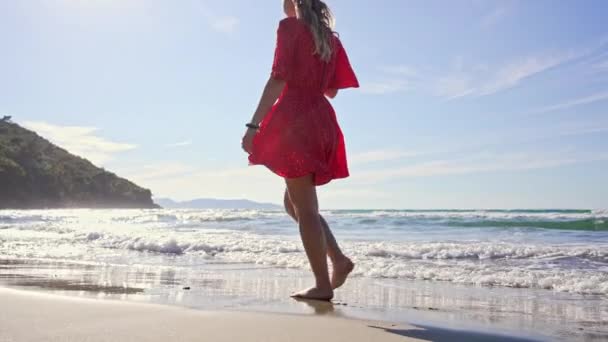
<point>34,316</point>
<point>244,288</point>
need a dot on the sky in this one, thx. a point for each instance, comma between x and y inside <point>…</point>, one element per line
<point>463,104</point>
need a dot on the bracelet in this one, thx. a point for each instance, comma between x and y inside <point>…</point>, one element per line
<point>252,126</point>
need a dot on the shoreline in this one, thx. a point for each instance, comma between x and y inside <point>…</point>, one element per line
<point>71,318</point>
<point>518,273</point>
<point>237,290</point>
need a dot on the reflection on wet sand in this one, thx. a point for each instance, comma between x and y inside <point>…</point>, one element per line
<point>253,288</point>
<point>64,285</point>
<point>319,307</point>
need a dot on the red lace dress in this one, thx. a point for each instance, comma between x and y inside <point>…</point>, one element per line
<point>300,135</point>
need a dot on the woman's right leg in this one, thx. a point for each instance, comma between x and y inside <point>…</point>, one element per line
<point>341,264</point>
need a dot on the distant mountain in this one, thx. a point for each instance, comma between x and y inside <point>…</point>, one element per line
<point>34,174</point>
<point>210,203</point>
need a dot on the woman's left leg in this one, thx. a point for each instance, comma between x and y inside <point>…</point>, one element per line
<point>303,195</point>
<point>341,264</point>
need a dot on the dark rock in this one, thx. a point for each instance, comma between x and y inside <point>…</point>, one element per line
<point>35,174</point>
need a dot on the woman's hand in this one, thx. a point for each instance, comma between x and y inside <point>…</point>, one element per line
<point>247,142</point>
<point>331,93</point>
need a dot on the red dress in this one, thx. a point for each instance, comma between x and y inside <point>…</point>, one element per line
<point>300,135</point>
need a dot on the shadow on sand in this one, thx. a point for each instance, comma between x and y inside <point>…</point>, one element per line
<point>428,333</point>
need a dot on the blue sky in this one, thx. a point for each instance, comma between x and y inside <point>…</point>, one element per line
<point>463,104</point>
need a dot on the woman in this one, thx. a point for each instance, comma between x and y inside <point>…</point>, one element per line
<point>298,137</point>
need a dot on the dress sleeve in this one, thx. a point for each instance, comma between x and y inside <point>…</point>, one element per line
<point>283,53</point>
<point>344,76</point>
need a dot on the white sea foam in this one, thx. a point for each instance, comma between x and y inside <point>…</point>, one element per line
<point>528,260</point>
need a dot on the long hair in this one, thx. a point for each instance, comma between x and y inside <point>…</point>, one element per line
<point>319,18</point>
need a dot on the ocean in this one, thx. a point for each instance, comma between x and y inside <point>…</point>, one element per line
<point>535,273</point>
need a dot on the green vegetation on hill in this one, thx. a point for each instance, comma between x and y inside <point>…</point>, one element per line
<point>37,174</point>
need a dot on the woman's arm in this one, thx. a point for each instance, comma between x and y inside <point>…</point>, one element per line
<point>331,93</point>
<point>273,89</point>
<point>271,93</point>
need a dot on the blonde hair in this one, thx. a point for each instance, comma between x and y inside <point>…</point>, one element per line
<point>319,18</point>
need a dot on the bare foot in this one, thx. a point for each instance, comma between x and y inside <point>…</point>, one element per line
<point>315,294</point>
<point>341,271</point>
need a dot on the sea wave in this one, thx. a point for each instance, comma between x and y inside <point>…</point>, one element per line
<point>595,224</point>
<point>542,258</point>
<point>574,220</point>
<point>482,251</point>
<point>506,265</point>
<point>574,281</point>
<point>577,269</point>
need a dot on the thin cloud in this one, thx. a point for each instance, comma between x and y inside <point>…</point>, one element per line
<point>217,22</point>
<point>558,130</point>
<point>476,82</point>
<point>347,193</point>
<point>454,86</point>
<point>80,140</point>
<point>477,164</point>
<point>494,17</point>
<point>582,128</point>
<point>403,70</point>
<point>602,65</point>
<point>380,156</point>
<point>180,144</point>
<point>226,24</point>
<point>183,181</point>
<point>384,87</point>
<point>465,80</point>
<point>160,172</point>
<point>402,78</point>
<point>598,97</point>
<point>462,79</point>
